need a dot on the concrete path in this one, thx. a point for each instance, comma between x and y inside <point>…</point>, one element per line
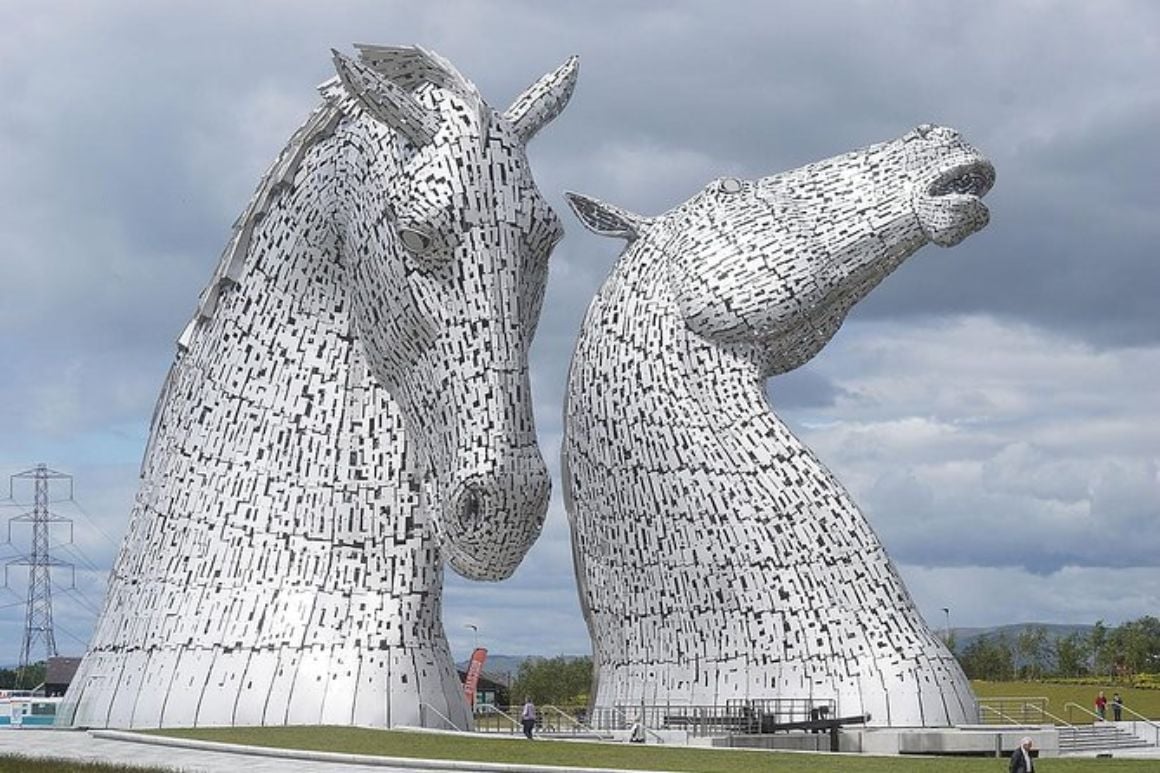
<point>79,745</point>
<point>189,756</point>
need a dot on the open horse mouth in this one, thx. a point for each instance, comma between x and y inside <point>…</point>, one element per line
<point>951,207</point>
<point>973,178</point>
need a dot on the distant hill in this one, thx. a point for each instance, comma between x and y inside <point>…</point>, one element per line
<point>498,663</point>
<point>964,637</point>
<point>504,664</point>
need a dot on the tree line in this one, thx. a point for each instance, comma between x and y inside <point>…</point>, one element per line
<point>558,681</point>
<point>1118,653</point>
<point>15,679</point>
<point>1114,653</point>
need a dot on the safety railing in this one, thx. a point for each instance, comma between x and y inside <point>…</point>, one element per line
<point>425,709</point>
<point>554,719</point>
<point>784,710</point>
<point>735,717</point>
<point>1067,729</point>
<point>989,715</point>
<point>1045,713</point>
<point>618,718</point>
<point>490,718</point>
<point>550,719</point>
<point>1020,710</point>
<point>1139,717</point>
<point>1072,705</point>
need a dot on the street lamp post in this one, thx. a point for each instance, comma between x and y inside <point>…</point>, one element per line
<point>474,636</point>
<point>947,626</point>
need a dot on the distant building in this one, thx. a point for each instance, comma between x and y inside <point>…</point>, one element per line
<point>58,674</point>
<point>493,689</point>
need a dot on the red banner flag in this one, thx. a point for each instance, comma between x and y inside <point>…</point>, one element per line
<point>474,669</point>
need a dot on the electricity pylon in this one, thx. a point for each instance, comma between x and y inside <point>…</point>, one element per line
<point>38,618</point>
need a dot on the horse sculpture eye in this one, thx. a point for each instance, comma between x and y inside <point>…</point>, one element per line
<point>415,241</point>
<point>730,185</point>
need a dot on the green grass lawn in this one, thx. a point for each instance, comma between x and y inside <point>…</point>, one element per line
<point>1146,702</point>
<point>397,743</point>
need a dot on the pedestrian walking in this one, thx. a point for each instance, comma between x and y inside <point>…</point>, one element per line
<point>1021,759</point>
<point>528,716</point>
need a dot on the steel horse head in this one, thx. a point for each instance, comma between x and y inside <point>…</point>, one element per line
<point>447,240</point>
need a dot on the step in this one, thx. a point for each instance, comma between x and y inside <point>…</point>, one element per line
<point>1094,737</point>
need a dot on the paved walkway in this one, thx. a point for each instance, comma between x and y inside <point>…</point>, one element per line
<point>189,756</point>
<point>79,745</point>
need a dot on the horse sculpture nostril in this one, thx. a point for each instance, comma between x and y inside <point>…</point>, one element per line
<point>491,519</point>
<point>471,508</point>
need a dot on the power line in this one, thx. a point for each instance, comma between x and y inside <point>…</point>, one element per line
<point>84,601</point>
<point>92,522</point>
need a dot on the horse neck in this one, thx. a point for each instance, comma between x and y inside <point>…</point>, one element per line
<point>272,350</point>
<point>670,370</point>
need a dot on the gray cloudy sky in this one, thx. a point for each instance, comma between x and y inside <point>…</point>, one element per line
<point>993,407</point>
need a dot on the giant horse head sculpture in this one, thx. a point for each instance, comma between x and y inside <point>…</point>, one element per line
<point>448,286</point>
<point>749,567</point>
<point>774,265</point>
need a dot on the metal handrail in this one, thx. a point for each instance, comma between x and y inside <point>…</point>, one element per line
<point>439,714</point>
<point>1057,720</point>
<point>576,721</point>
<point>1085,710</point>
<point>1143,718</point>
<point>1020,702</point>
<point>491,708</point>
<point>983,706</point>
<point>1154,725</point>
<point>646,728</point>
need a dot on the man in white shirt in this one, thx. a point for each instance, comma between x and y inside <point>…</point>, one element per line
<point>1021,759</point>
<point>528,717</point>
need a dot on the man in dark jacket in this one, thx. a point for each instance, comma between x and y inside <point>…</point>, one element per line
<point>1021,760</point>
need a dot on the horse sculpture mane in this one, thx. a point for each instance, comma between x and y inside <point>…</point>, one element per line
<point>718,560</point>
<point>348,408</point>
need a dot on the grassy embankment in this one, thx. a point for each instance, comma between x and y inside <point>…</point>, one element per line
<point>622,756</point>
<point>1146,702</point>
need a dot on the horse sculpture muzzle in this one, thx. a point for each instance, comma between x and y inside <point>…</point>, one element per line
<point>949,206</point>
<point>493,516</point>
<point>487,486</point>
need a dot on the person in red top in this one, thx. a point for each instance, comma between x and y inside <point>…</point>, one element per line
<point>1102,705</point>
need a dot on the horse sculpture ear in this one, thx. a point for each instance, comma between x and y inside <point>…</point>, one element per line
<point>543,100</point>
<point>385,100</point>
<point>606,219</point>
